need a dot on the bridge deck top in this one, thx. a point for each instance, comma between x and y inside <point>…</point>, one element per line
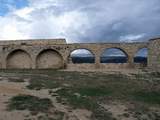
<point>60,42</point>
<point>33,41</point>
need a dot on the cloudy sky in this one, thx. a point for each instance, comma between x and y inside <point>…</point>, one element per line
<point>80,20</point>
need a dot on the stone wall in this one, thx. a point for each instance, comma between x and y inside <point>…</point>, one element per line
<point>55,53</point>
<point>104,66</point>
<point>34,42</point>
<point>154,54</point>
<point>18,59</point>
<point>83,66</point>
<point>49,59</point>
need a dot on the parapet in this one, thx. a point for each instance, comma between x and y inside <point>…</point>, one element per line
<point>153,39</point>
<point>34,42</point>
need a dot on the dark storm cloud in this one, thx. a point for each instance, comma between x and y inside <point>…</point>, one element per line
<point>85,20</point>
<point>115,20</point>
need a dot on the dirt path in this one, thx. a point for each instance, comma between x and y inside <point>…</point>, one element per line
<point>10,89</point>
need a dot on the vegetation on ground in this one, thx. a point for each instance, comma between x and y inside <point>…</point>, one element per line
<point>88,90</point>
<point>31,103</point>
<point>16,80</point>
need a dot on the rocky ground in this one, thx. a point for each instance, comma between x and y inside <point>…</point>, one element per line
<point>70,95</point>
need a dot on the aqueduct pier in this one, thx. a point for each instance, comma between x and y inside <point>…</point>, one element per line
<point>55,54</point>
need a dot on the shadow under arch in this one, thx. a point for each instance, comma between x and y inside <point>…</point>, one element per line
<point>49,59</point>
<point>81,55</point>
<point>114,55</point>
<point>18,59</point>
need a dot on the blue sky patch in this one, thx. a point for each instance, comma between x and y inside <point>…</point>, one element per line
<point>5,5</point>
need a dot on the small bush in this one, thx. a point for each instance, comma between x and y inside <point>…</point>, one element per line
<point>76,101</point>
<point>16,80</point>
<point>94,91</point>
<point>41,83</point>
<point>147,97</point>
<point>31,103</point>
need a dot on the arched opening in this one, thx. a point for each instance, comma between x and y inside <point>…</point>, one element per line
<point>49,59</point>
<point>18,59</point>
<point>141,56</point>
<point>113,55</point>
<point>81,56</point>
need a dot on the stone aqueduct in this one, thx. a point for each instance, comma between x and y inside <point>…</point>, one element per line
<point>55,54</point>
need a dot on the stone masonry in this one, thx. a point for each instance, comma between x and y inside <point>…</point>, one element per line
<point>55,54</point>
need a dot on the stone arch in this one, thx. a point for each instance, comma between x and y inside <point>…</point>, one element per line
<point>81,55</point>
<point>49,59</point>
<point>141,56</point>
<point>113,55</point>
<point>18,59</point>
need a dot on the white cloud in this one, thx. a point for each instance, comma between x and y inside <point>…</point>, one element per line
<point>82,53</point>
<point>32,22</point>
<point>41,4</point>
<point>131,38</point>
<point>10,28</point>
<point>86,21</point>
<point>24,13</point>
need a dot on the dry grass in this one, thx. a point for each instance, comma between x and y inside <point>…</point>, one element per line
<point>88,90</point>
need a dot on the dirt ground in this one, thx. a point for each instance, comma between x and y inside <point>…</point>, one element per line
<point>8,89</point>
